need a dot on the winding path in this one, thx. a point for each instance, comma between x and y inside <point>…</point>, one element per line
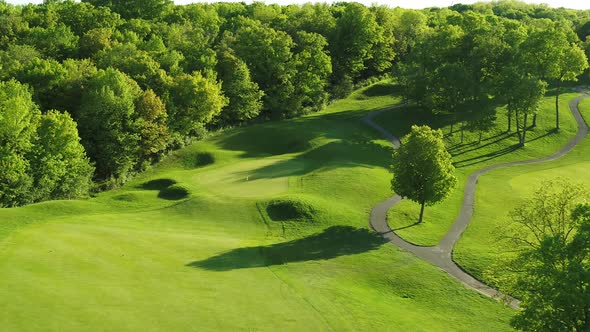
<point>441,254</point>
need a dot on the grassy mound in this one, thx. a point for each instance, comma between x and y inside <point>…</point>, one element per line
<point>174,193</point>
<point>290,209</point>
<point>200,159</point>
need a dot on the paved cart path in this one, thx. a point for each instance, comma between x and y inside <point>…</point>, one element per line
<point>441,254</point>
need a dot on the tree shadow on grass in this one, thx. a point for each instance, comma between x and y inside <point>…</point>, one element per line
<point>486,157</point>
<point>331,243</point>
<point>157,184</point>
<point>407,226</point>
<point>332,155</point>
<point>460,149</point>
<point>495,154</point>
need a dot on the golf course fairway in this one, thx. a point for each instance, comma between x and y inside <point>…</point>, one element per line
<point>256,228</point>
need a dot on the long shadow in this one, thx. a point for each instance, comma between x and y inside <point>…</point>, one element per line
<point>550,132</point>
<point>331,243</point>
<point>486,157</point>
<point>332,155</point>
<point>459,146</point>
<point>404,227</point>
<point>497,140</point>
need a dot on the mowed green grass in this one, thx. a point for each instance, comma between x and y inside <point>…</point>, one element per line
<point>500,191</point>
<point>497,146</point>
<point>198,243</point>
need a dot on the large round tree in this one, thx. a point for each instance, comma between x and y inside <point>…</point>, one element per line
<point>422,168</point>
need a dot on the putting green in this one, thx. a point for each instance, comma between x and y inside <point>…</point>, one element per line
<point>253,178</point>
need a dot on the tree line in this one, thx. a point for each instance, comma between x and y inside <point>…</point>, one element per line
<point>110,86</point>
<point>471,60</point>
<point>97,90</point>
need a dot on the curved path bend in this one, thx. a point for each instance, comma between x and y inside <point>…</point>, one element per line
<point>441,254</point>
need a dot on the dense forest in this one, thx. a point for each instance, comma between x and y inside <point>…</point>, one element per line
<point>92,92</point>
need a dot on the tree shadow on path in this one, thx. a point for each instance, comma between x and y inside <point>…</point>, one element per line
<point>331,243</point>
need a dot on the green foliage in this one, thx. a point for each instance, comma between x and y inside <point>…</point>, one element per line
<point>383,52</point>
<point>422,168</point>
<point>58,162</point>
<point>69,92</point>
<point>195,99</point>
<point>84,17</point>
<point>94,41</point>
<point>194,42</point>
<point>244,95</point>
<point>58,42</point>
<point>312,68</point>
<point>551,232</point>
<point>146,9</point>
<point>310,17</point>
<point>408,26</point>
<point>136,63</point>
<point>107,123</point>
<point>353,41</point>
<point>18,118</point>
<point>151,123</point>
<point>267,52</point>
<point>45,77</point>
<point>14,58</point>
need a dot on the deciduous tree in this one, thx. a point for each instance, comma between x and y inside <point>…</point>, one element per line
<point>18,119</point>
<point>106,122</point>
<point>59,165</point>
<point>550,270</point>
<point>244,95</point>
<point>194,100</point>
<point>422,168</point>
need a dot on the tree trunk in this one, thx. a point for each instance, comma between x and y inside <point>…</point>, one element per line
<point>524,130</point>
<point>480,136</point>
<point>518,128</point>
<point>462,131</point>
<point>534,120</point>
<point>557,105</point>
<point>421,211</point>
<point>452,123</point>
<point>509,121</point>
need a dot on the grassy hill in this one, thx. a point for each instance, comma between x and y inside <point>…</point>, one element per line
<point>256,228</point>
